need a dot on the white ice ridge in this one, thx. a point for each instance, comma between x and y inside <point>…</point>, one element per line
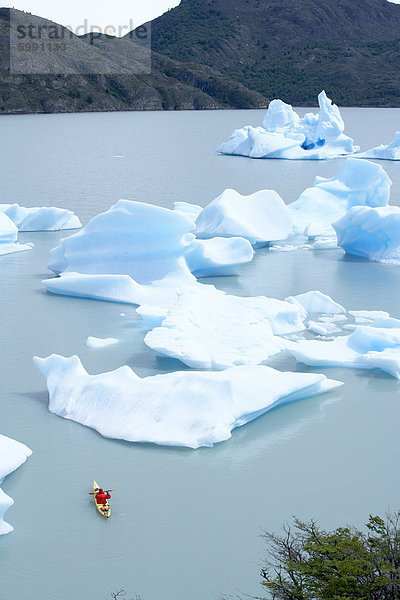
<point>368,347</point>
<point>260,217</point>
<point>372,233</point>
<point>388,152</point>
<point>357,183</point>
<point>9,237</point>
<point>187,408</point>
<point>207,328</point>
<point>12,455</point>
<point>43,218</point>
<point>285,135</point>
<point>94,342</point>
<point>139,253</point>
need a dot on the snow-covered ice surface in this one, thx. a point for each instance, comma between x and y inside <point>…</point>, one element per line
<point>260,217</point>
<point>9,237</point>
<point>41,218</point>
<point>372,233</point>
<point>12,455</point>
<point>94,342</point>
<point>285,135</point>
<point>384,152</point>
<point>357,183</point>
<point>368,347</point>
<point>207,328</point>
<point>190,409</point>
<point>139,253</point>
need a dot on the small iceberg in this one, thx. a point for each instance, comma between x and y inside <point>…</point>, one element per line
<point>94,342</point>
<point>372,233</point>
<point>382,152</point>
<point>9,237</point>
<point>12,455</point>
<point>316,302</point>
<point>43,218</point>
<point>191,409</point>
<point>261,217</point>
<point>357,183</point>
<point>285,135</point>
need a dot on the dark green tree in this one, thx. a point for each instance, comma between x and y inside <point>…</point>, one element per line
<point>307,563</point>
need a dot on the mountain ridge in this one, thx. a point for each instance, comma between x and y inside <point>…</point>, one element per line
<point>291,49</point>
<point>64,82</point>
<point>214,54</point>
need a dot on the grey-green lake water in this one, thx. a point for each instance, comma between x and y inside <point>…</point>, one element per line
<point>186,524</point>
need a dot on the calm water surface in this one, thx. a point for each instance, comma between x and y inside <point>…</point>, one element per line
<point>186,524</point>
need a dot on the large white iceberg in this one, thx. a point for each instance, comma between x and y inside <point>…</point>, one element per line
<point>190,409</point>
<point>260,217</point>
<point>368,347</point>
<point>143,241</point>
<point>12,455</point>
<point>206,328</point>
<point>40,218</point>
<point>372,233</point>
<point>285,135</point>
<point>357,183</point>
<point>9,237</point>
<point>384,152</point>
<point>139,253</point>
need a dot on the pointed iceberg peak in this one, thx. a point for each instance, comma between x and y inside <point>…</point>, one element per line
<point>279,115</point>
<point>285,135</point>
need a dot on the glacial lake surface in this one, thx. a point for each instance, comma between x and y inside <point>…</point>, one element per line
<point>186,524</point>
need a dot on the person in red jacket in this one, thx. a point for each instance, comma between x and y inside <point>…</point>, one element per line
<point>102,497</point>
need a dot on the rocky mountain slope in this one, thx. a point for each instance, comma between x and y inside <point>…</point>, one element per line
<point>292,48</point>
<point>170,85</point>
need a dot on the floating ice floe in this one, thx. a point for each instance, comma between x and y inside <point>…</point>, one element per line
<point>372,233</point>
<point>285,135</point>
<point>260,217</point>
<point>9,237</point>
<point>382,152</point>
<point>190,409</point>
<point>43,218</point>
<point>139,253</point>
<point>206,328</point>
<point>357,183</point>
<point>12,455</point>
<point>368,347</point>
<point>94,342</point>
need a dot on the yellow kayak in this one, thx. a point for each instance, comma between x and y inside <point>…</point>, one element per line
<point>103,509</point>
